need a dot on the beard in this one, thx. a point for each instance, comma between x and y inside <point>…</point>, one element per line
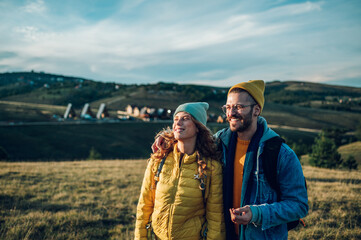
<point>243,124</point>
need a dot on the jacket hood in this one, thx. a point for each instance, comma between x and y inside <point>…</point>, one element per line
<point>268,132</point>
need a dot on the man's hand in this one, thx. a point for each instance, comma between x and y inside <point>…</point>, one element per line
<point>241,215</point>
<point>158,144</point>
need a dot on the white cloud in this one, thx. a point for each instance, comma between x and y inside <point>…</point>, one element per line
<point>29,33</point>
<point>35,7</point>
<point>294,9</point>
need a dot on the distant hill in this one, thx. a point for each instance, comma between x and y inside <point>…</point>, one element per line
<point>352,149</point>
<point>296,110</point>
<point>315,95</point>
<point>51,89</point>
<point>290,103</point>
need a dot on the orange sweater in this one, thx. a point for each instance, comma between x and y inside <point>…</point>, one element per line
<point>239,158</point>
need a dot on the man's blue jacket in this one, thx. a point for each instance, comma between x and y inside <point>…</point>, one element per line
<point>270,213</point>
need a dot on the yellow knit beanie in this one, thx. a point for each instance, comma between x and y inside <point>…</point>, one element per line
<point>255,88</point>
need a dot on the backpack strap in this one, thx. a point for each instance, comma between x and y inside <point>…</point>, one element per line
<point>269,162</point>
<point>270,153</point>
<point>156,177</point>
<point>150,233</point>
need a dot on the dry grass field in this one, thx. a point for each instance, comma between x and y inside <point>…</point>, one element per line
<point>97,200</point>
<point>335,204</point>
<point>69,200</point>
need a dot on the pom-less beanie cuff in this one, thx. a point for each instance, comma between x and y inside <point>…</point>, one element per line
<point>197,109</point>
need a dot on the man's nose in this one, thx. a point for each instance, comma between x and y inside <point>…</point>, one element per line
<point>232,111</point>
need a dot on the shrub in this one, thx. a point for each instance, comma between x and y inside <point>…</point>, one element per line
<point>94,154</point>
<point>324,153</point>
<point>350,163</point>
<point>300,148</point>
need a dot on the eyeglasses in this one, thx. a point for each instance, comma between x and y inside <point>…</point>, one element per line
<point>237,107</point>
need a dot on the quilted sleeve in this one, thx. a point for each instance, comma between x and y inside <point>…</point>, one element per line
<point>145,204</point>
<point>214,209</point>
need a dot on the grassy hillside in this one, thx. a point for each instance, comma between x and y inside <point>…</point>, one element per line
<point>346,150</point>
<point>285,101</point>
<point>315,95</point>
<point>276,114</point>
<point>303,117</point>
<point>52,89</point>
<point>97,200</point>
<point>36,97</point>
<point>74,141</point>
<point>122,140</point>
<point>29,112</point>
<point>353,149</point>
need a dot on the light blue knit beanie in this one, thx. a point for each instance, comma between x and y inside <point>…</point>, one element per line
<point>197,109</point>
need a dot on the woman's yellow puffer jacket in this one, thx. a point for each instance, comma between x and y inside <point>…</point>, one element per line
<point>178,211</point>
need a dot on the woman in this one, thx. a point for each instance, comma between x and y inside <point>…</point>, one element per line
<point>185,200</point>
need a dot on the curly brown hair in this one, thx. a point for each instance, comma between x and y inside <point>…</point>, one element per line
<point>206,147</point>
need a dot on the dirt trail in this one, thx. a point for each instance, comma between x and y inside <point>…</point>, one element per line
<point>295,128</point>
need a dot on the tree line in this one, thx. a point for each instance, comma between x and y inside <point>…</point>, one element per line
<point>324,150</point>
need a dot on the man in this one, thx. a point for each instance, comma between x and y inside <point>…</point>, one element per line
<point>252,208</point>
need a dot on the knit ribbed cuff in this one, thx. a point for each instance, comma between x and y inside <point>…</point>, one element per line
<point>256,215</point>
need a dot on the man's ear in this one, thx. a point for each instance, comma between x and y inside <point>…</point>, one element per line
<point>257,110</point>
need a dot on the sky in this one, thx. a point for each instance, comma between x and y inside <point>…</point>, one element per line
<point>217,43</point>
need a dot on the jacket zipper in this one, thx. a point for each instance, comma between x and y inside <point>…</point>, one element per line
<point>174,193</point>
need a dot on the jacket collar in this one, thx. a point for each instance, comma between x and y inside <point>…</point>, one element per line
<point>187,159</point>
<point>225,134</point>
